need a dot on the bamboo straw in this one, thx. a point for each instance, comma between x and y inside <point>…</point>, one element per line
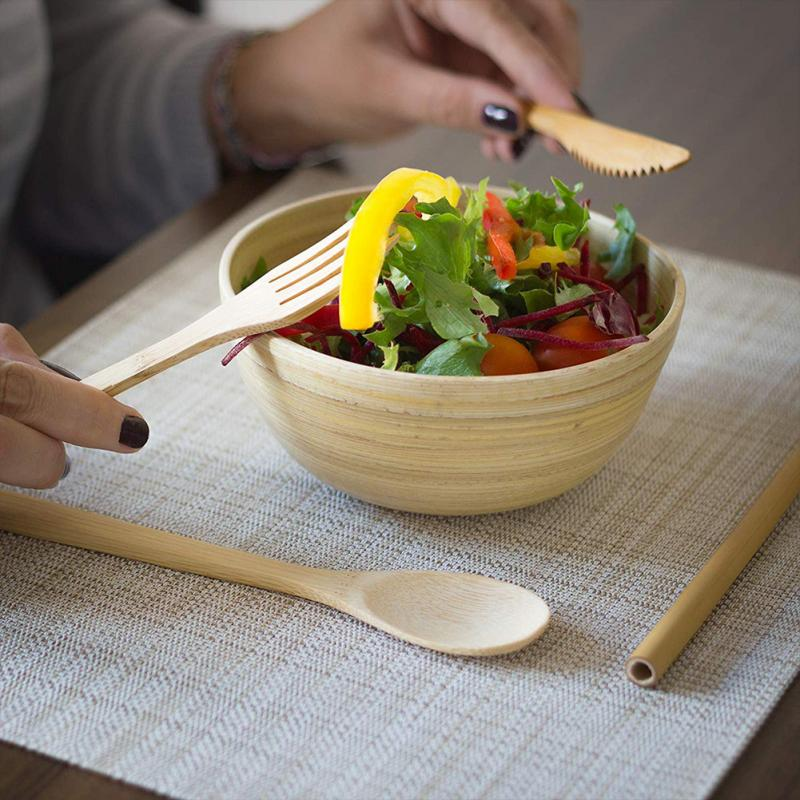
<point>654,656</point>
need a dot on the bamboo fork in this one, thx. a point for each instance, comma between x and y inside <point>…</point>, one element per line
<point>455,613</point>
<point>287,293</point>
<point>604,148</point>
<point>654,656</point>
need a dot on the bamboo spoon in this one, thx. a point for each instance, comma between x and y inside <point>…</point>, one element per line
<point>604,148</point>
<point>287,293</point>
<point>654,656</point>
<point>455,613</point>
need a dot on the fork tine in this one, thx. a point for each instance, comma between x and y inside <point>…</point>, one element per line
<point>299,306</point>
<point>303,271</point>
<point>296,275</point>
<point>298,290</point>
<point>301,259</point>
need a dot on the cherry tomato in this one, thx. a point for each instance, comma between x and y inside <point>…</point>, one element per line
<point>507,357</point>
<point>504,259</point>
<point>496,217</point>
<point>580,329</point>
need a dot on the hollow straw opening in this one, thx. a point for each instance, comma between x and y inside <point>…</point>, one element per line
<point>641,672</point>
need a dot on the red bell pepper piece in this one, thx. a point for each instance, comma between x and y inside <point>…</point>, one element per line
<point>498,218</point>
<point>503,258</point>
<point>325,317</point>
<point>411,207</point>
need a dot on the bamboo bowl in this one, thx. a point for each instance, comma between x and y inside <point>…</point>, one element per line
<point>442,445</point>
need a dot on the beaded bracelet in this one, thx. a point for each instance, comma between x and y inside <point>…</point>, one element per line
<point>236,153</point>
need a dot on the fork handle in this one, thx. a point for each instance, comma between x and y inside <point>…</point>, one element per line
<point>197,337</point>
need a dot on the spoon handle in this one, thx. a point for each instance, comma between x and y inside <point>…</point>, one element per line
<point>44,519</point>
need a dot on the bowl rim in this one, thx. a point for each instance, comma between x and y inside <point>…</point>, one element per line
<point>638,354</point>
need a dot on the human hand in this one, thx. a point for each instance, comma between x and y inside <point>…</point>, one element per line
<point>40,410</point>
<point>365,69</point>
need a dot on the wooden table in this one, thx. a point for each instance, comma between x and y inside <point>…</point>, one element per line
<point>723,78</point>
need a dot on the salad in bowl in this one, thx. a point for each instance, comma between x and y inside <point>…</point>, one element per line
<point>488,350</point>
<point>473,284</point>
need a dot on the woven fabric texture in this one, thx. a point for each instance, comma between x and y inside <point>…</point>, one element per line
<point>200,689</point>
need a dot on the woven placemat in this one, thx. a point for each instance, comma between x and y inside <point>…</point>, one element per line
<point>200,689</point>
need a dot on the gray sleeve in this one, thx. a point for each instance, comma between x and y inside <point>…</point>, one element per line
<point>125,144</point>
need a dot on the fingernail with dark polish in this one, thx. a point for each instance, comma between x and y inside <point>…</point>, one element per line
<point>501,117</point>
<point>134,432</point>
<point>60,370</point>
<point>67,467</point>
<point>582,104</point>
<point>520,144</point>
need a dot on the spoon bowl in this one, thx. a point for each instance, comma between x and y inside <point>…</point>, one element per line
<point>454,613</point>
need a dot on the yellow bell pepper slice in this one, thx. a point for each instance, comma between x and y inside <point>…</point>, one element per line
<point>366,246</point>
<point>549,254</point>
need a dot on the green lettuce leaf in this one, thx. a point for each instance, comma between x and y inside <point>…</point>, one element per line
<point>413,309</point>
<point>573,217</point>
<point>259,271</point>
<point>476,202</point>
<point>537,300</point>
<point>390,356</point>
<point>448,305</point>
<point>484,278</point>
<point>522,247</point>
<point>567,292</point>
<point>485,303</point>
<point>524,282</point>
<point>443,243</point>
<point>438,265</point>
<point>530,206</point>
<point>560,223</point>
<point>620,251</point>
<point>440,206</point>
<point>393,326</point>
<point>455,357</point>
